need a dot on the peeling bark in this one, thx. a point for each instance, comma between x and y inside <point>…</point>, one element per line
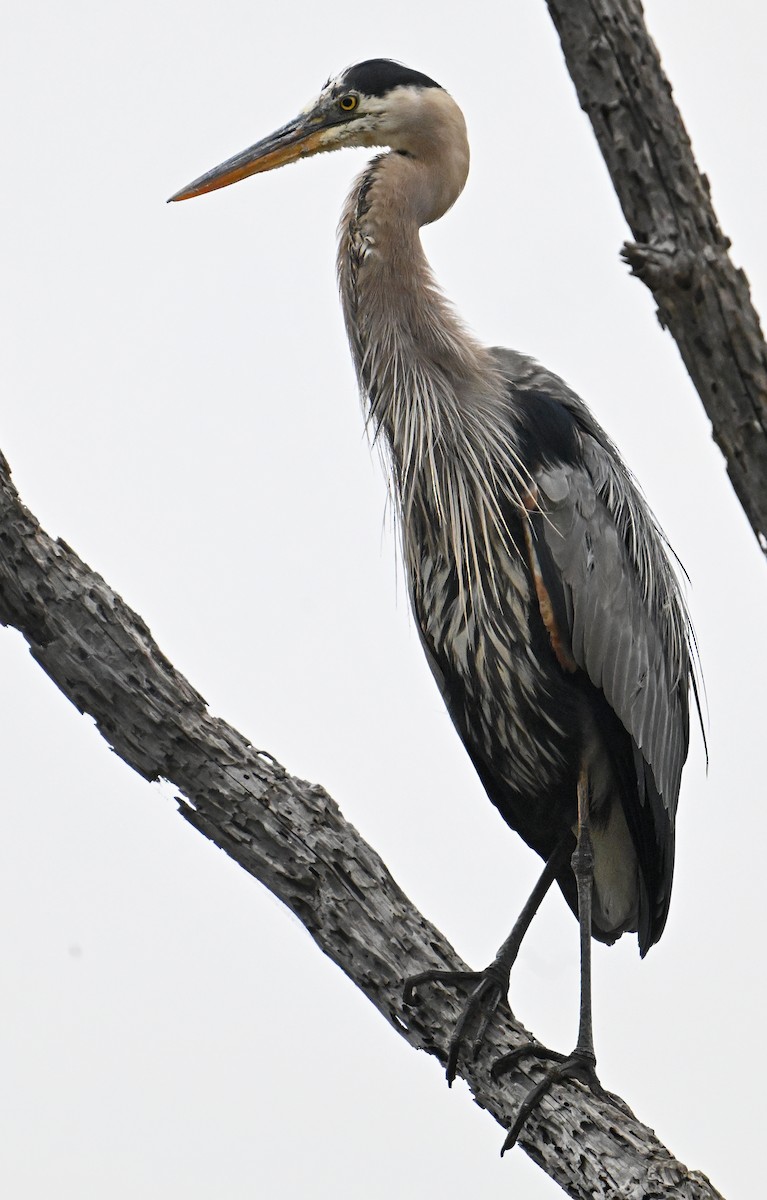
<point>678,251</point>
<point>292,837</point>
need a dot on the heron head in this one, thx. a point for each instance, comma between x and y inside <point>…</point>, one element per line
<point>375,103</point>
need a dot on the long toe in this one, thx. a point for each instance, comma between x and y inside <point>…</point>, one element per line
<point>488,989</point>
<point>507,1062</point>
<point>478,1012</point>
<point>579,1065</point>
<point>416,983</point>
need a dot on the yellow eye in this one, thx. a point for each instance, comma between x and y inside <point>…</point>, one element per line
<point>348,103</point>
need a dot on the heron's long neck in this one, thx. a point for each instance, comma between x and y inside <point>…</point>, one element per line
<point>403,334</point>
<point>434,393</point>
<point>416,363</point>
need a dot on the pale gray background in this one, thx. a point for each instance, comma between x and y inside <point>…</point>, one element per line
<point>178,404</point>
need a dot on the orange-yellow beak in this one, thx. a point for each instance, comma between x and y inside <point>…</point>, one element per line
<point>300,138</point>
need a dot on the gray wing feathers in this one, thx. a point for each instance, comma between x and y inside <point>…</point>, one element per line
<point>628,628</point>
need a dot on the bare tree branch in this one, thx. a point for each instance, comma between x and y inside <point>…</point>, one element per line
<point>679,251</point>
<point>292,837</point>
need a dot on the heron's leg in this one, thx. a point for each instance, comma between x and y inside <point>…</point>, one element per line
<point>581,1063</point>
<point>489,987</point>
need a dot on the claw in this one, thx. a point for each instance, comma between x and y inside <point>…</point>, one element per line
<point>491,986</point>
<point>580,1065</point>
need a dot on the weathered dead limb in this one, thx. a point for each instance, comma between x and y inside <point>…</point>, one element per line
<point>678,251</point>
<point>291,836</point>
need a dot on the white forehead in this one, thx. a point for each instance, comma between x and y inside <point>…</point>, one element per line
<point>332,85</point>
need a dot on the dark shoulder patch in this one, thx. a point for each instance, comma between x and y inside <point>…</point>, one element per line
<point>377,76</point>
<point>549,431</point>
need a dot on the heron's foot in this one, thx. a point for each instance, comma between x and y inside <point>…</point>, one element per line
<point>487,989</point>
<point>580,1065</point>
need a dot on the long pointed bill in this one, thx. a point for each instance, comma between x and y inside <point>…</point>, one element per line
<point>298,139</point>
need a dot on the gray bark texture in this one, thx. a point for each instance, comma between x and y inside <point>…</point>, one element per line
<point>678,251</point>
<point>291,836</point>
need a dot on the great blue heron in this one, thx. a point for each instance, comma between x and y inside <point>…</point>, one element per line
<point>541,584</point>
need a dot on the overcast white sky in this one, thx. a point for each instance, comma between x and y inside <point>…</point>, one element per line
<point>178,405</point>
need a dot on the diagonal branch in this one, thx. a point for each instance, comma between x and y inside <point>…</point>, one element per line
<point>292,837</point>
<point>678,251</point>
